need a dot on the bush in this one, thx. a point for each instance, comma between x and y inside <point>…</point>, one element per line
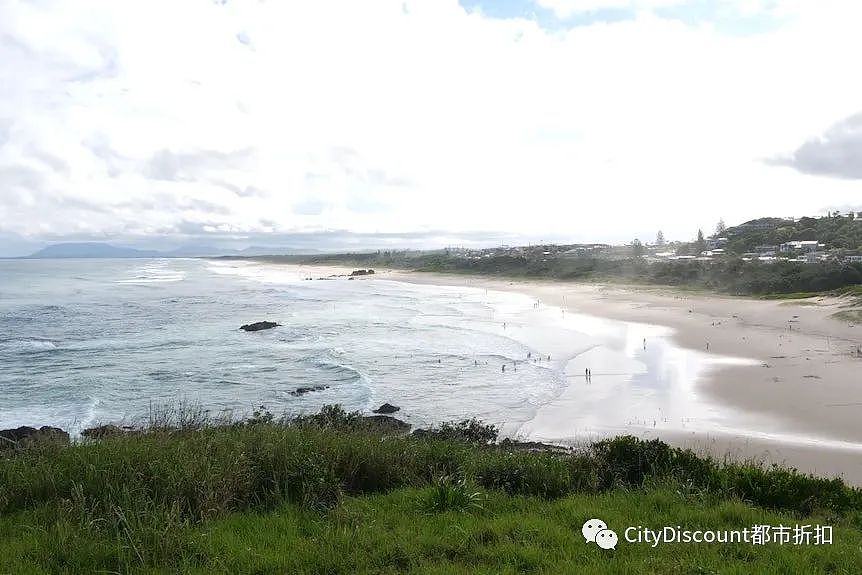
<point>629,461</point>
<point>467,430</point>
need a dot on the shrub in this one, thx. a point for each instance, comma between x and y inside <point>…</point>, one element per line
<point>468,430</point>
<point>629,461</point>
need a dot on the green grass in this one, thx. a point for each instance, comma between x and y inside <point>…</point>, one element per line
<point>395,533</point>
<point>328,494</point>
<point>797,295</point>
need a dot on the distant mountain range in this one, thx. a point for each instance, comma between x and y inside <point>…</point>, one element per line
<point>102,250</point>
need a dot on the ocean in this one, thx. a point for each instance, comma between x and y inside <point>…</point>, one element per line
<point>85,342</point>
<point>91,341</point>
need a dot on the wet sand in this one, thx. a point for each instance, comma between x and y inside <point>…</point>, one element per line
<point>797,401</point>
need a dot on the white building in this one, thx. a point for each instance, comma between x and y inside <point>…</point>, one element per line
<point>802,246</point>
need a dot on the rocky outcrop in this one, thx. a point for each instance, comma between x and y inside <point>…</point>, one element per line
<point>25,435</point>
<point>385,423</point>
<point>512,445</point>
<point>103,431</point>
<point>387,408</point>
<point>303,390</point>
<point>355,273</point>
<point>259,325</point>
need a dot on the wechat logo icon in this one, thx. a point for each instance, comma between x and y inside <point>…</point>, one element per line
<point>596,531</point>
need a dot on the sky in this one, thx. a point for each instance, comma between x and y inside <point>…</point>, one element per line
<point>421,122</point>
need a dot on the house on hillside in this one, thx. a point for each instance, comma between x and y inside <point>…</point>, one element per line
<point>766,250</point>
<point>805,246</point>
<point>815,257</point>
<point>714,243</point>
<point>761,225</point>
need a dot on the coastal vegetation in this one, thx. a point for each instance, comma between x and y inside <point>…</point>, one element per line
<point>730,276</point>
<point>336,493</point>
<point>729,270</point>
<point>835,231</point>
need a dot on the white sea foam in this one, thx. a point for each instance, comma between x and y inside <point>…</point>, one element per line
<point>27,344</point>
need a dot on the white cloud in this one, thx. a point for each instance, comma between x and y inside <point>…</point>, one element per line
<point>569,8</point>
<point>142,118</point>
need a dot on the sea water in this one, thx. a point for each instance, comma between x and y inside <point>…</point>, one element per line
<point>87,341</point>
<point>84,342</point>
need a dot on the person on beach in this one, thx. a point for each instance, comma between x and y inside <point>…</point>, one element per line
<point>529,354</point>
<point>707,346</point>
<point>644,343</point>
<point>504,369</point>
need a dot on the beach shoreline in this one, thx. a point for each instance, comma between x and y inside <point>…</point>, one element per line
<point>808,374</point>
<point>801,373</point>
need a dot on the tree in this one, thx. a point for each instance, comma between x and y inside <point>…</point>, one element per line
<point>720,227</point>
<point>781,235</point>
<point>659,238</point>
<point>637,248</point>
<point>700,244</point>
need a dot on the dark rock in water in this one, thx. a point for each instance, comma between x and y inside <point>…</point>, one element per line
<point>259,325</point>
<point>385,423</point>
<point>103,431</point>
<point>16,435</point>
<point>303,390</point>
<point>362,273</point>
<point>387,408</point>
<point>26,435</point>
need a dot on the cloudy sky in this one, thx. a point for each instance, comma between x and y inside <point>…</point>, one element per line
<point>146,122</point>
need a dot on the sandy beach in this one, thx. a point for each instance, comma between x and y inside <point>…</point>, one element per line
<point>806,378</point>
<point>782,378</point>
